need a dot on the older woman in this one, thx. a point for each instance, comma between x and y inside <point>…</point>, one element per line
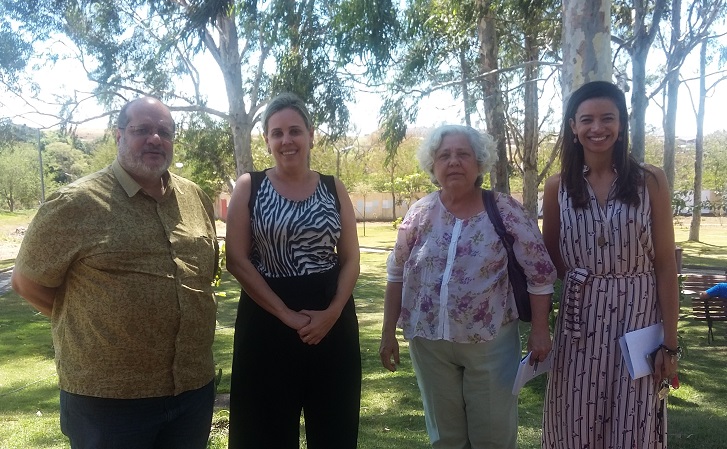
<point>449,291</point>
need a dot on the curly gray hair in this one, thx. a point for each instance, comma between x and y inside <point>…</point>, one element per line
<point>483,145</point>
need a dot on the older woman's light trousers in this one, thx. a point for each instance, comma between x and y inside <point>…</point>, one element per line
<point>467,390</point>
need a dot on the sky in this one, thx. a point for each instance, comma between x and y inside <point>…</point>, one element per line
<point>439,108</point>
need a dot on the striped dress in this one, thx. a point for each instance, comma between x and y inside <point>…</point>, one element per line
<point>609,289</point>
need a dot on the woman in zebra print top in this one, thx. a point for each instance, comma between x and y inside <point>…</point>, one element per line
<point>292,244</point>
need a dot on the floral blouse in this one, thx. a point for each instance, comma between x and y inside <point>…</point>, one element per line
<point>454,271</point>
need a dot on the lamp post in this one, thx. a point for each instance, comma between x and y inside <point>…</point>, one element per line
<point>42,181</point>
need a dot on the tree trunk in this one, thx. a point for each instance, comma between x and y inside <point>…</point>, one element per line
<point>639,103</point>
<point>699,146</point>
<point>643,37</point>
<point>464,67</point>
<point>240,120</point>
<point>392,176</point>
<point>672,93</point>
<point>586,43</point>
<point>530,128</point>
<point>493,101</point>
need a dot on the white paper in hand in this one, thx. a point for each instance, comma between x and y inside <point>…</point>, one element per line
<point>636,347</point>
<point>526,372</point>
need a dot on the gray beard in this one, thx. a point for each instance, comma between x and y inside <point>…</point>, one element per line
<point>139,168</point>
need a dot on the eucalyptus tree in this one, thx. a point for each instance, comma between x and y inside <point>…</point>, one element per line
<point>703,90</point>
<point>428,46</point>
<point>699,146</point>
<point>493,100</point>
<point>586,43</point>
<point>634,28</point>
<point>475,51</point>
<point>146,47</point>
<point>204,145</point>
<point>530,50</point>
<point>697,19</point>
<point>14,54</point>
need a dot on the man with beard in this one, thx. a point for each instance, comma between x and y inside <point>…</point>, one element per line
<point>122,261</point>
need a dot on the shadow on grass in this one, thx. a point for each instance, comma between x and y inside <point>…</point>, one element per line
<point>22,398</point>
<point>391,409</point>
<point>698,409</point>
<point>703,255</point>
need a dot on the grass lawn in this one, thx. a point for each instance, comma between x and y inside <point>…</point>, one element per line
<point>391,413</point>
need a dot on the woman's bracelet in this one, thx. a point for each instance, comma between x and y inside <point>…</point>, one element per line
<point>672,352</point>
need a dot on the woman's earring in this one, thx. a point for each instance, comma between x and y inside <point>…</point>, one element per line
<point>575,139</point>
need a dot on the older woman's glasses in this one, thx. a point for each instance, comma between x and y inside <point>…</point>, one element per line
<point>146,131</point>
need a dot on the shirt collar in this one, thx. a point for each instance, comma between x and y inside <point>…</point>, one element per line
<point>132,187</point>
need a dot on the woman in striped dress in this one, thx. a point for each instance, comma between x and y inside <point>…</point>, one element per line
<point>292,244</point>
<point>608,227</point>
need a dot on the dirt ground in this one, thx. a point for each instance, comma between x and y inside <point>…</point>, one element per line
<point>10,238</point>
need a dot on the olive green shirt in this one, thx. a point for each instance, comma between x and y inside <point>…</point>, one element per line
<point>134,312</point>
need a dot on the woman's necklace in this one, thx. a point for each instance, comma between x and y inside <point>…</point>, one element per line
<point>603,213</point>
<point>602,238</point>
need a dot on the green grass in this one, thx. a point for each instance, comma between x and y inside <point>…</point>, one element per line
<point>377,235</point>
<point>17,218</point>
<point>391,413</point>
<point>711,252</point>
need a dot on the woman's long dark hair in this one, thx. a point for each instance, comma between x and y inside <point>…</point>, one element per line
<point>629,179</point>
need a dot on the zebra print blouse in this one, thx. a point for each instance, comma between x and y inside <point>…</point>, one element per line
<point>294,238</point>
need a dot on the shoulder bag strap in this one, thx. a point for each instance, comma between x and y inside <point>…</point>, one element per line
<point>488,197</point>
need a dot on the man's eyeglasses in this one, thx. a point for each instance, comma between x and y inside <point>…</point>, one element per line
<point>144,131</point>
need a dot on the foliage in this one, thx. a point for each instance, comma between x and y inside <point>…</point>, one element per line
<point>14,53</point>
<point>103,152</point>
<point>19,177</point>
<point>260,155</point>
<point>366,30</point>
<point>304,63</point>
<point>719,206</point>
<point>141,47</point>
<point>63,163</point>
<point>409,188</point>
<point>715,161</point>
<point>206,145</point>
<point>679,202</point>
